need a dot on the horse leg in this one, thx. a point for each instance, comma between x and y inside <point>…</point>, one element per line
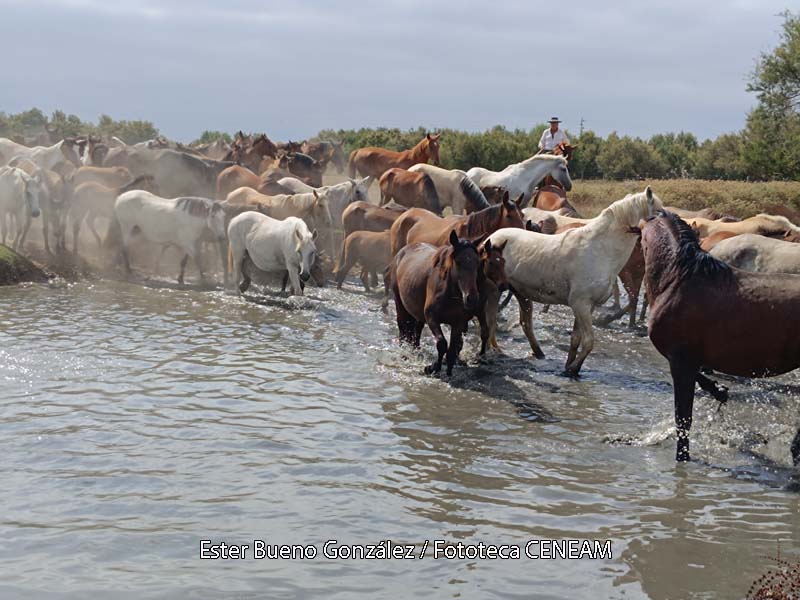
<point>456,343</point>
<point>644,308</point>
<point>488,317</point>
<point>418,327</point>
<point>21,241</point>
<point>615,292</point>
<point>441,346</point>
<point>684,376</point>
<point>90,222</point>
<point>76,229</point>
<point>126,237</point>
<point>406,324</point>
<point>198,259</point>
<point>184,260</point>
<point>46,231</point>
<point>526,319</point>
<point>574,342</point>
<point>240,271</point>
<point>364,276</point>
<point>294,278</point>
<point>373,277</point>
<point>583,321</point>
<point>718,392</point>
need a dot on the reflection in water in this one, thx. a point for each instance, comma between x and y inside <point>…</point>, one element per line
<point>139,420</point>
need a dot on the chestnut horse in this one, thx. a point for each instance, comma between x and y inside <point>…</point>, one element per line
<point>375,161</point>
<point>551,194</point>
<point>414,190</point>
<point>365,216</point>
<point>325,152</point>
<point>419,225</point>
<point>436,286</point>
<point>370,249</point>
<point>704,313</point>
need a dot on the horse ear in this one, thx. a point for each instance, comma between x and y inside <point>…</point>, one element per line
<point>298,235</point>
<point>428,136</point>
<point>316,195</point>
<point>648,191</point>
<point>518,201</point>
<point>504,199</point>
<point>487,246</point>
<point>529,225</point>
<point>314,235</point>
<point>453,237</point>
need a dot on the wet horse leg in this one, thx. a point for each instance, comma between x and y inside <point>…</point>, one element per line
<point>718,392</point>
<point>441,345</point>
<point>488,317</point>
<point>684,376</point>
<point>408,327</point>
<point>46,230</point>
<point>525,319</point>
<point>456,343</point>
<point>583,323</point>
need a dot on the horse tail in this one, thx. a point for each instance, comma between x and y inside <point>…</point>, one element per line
<point>399,233</point>
<point>351,164</point>
<point>473,194</point>
<point>431,195</point>
<point>386,182</point>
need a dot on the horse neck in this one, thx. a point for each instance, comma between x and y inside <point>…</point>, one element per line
<point>662,260</point>
<point>534,168</point>
<point>419,153</point>
<point>481,222</point>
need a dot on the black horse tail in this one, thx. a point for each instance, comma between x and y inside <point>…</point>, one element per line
<point>431,195</point>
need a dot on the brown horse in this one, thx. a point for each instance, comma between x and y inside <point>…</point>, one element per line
<point>420,225</point>
<point>436,286</point>
<point>325,152</point>
<point>249,152</point>
<point>305,168</point>
<point>376,161</point>
<point>704,313</point>
<point>551,194</point>
<point>414,190</point>
<point>707,243</point>
<point>364,216</point>
<point>493,193</point>
<point>370,249</point>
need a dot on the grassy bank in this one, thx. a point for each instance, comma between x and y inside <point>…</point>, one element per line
<point>737,198</point>
<point>16,269</point>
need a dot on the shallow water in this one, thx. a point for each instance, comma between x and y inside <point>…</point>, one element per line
<point>137,421</point>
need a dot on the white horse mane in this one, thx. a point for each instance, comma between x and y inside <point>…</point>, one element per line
<point>630,209</point>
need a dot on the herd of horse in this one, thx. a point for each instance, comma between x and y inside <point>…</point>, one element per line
<point>447,242</point>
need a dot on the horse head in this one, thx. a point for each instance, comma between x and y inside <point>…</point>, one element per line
<point>493,264</point>
<point>361,189</point>
<point>306,249</point>
<point>68,149</point>
<point>510,213</point>
<point>432,146</point>
<point>463,266</point>
<point>559,171</point>
<point>33,189</point>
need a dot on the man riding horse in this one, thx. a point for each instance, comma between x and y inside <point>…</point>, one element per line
<point>552,137</point>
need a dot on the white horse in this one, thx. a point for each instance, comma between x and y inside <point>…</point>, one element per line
<point>339,195</point>
<point>180,222</point>
<point>520,178</point>
<point>760,254</point>
<point>19,199</point>
<point>576,268</point>
<point>272,246</point>
<point>46,157</point>
<point>454,188</point>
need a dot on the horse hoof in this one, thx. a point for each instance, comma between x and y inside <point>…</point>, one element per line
<point>538,354</point>
<point>431,369</point>
<point>571,374</point>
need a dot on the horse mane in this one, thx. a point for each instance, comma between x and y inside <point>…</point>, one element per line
<point>307,160</point>
<point>780,222</point>
<point>443,259</point>
<point>629,210</point>
<point>473,193</point>
<point>198,207</point>
<point>690,259</point>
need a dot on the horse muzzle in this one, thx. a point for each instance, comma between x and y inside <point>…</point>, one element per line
<point>35,212</point>
<point>304,276</point>
<point>470,301</point>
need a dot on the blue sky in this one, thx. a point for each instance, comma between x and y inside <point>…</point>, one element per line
<point>291,68</point>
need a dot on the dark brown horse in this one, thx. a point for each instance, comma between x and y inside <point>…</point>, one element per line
<point>305,168</point>
<point>325,152</point>
<point>414,190</point>
<point>376,161</point>
<point>364,216</point>
<point>368,248</point>
<point>436,286</point>
<point>551,195</point>
<point>249,152</point>
<point>420,225</point>
<point>704,313</point>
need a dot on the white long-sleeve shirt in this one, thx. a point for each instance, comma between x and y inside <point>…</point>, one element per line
<point>550,141</point>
